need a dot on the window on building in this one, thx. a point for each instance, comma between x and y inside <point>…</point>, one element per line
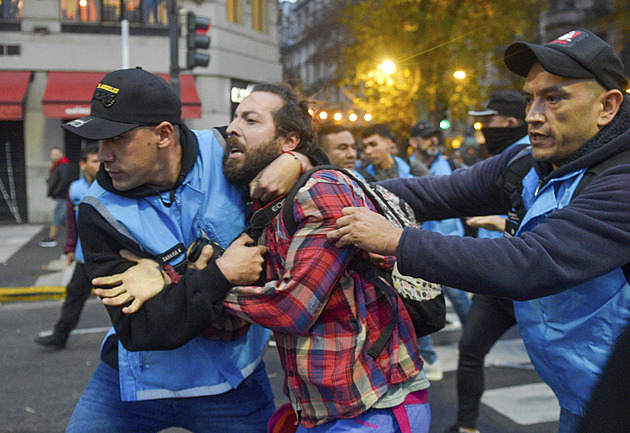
<point>97,11</point>
<point>259,15</point>
<point>234,11</point>
<point>10,9</point>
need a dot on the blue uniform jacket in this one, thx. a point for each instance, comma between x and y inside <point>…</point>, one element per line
<point>565,264</point>
<point>151,224</point>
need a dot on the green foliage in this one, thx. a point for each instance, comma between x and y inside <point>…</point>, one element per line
<point>428,40</point>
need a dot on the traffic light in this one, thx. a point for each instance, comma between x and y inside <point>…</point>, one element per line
<point>445,124</point>
<point>196,38</point>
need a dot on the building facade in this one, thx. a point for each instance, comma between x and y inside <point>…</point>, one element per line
<point>54,52</point>
<point>312,40</point>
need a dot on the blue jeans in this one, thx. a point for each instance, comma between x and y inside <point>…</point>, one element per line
<point>244,409</point>
<point>460,301</point>
<point>381,420</point>
<point>59,212</point>
<point>426,349</point>
<point>461,304</point>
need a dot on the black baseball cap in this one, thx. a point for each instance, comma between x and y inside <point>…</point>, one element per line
<point>505,103</point>
<point>576,54</point>
<point>423,129</point>
<point>124,100</point>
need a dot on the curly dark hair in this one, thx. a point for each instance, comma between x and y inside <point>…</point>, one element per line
<point>293,116</point>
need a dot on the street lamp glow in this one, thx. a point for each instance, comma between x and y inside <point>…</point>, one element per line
<point>337,117</point>
<point>323,115</point>
<point>367,117</point>
<point>387,67</point>
<point>352,117</point>
<point>477,126</point>
<point>460,75</point>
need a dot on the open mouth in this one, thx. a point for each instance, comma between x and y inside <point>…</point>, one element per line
<point>536,137</point>
<point>235,148</point>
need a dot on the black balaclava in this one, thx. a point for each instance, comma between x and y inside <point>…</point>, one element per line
<point>498,139</point>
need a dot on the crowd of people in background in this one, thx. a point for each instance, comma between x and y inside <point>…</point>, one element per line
<point>505,219</point>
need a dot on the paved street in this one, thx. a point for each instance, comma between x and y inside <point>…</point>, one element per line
<point>39,388</point>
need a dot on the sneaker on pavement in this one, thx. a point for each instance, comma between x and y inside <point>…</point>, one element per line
<point>457,429</point>
<point>48,243</point>
<point>433,371</point>
<point>272,341</point>
<point>53,341</point>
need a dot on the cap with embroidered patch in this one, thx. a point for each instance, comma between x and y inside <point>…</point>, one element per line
<point>124,100</point>
<point>505,103</point>
<point>576,54</point>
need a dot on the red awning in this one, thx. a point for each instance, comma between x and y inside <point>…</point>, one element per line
<point>191,104</point>
<point>68,94</point>
<point>13,85</point>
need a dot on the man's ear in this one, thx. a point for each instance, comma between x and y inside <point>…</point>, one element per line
<point>512,122</point>
<point>165,132</point>
<point>611,101</point>
<point>290,141</point>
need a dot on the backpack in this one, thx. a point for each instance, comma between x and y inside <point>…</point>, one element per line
<point>511,184</point>
<point>423,300</point>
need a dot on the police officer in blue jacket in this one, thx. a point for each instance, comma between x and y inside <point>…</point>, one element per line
<point>161,188</point>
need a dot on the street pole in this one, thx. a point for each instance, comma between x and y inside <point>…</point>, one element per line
<point>173,27</point>
<point>124,30</point>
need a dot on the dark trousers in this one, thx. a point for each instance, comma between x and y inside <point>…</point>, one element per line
<point>488,319</point>
<point>77,293</point>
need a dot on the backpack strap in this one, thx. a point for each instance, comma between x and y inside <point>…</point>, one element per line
<point>287,211</point>
<point>453,164</point>
<point>511,184</point>
<point>370,272</point>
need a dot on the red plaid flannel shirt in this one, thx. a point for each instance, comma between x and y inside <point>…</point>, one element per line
<point>325,317</point>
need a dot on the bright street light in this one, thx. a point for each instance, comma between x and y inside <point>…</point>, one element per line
<point>353,117</point>
<point>387,67</point>
<point>460,75</point>
<point>337,116</point>
<point>323,115</point>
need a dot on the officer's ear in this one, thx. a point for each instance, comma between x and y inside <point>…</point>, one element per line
<point>166,133</point>
<point>610,103</point>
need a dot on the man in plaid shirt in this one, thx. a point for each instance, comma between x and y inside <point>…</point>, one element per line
<point>324,315</point>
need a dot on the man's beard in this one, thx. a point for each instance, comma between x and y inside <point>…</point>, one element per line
<point>241,171</point>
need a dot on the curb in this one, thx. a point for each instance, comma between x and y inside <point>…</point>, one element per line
<point>35,293</point>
